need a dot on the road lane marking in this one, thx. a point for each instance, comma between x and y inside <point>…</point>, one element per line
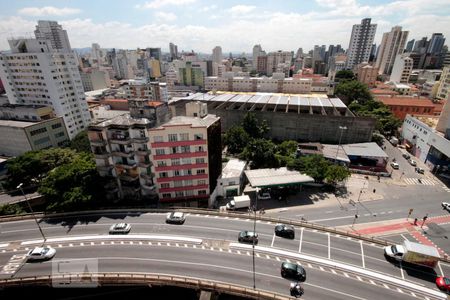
<point>267,256</point>
<point>359,278</point>
<point>333,271</point>
<point>321,268</point>
<point>412,294</point>
<point>401,270</point>
<point>403,237</point>
<point>440,268</point>
<point>288,260</point>
<point>301,239</point>
<point>330,219</point>
<point>346,275</point>
<point>273,240</point>
<point>329,246</point>
<point>386,286</point>
<point>399,290</point>
<point>372,282</point>
<point>362,255</point>
<point>277,258</point>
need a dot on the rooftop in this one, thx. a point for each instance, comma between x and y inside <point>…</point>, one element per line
<point>206,121</point>
<point>332,152</point>
<point>275,177</point>
<point>406,101</point>
<point>364,149</point>
<point>123,120</point>
<point>430,121</point>
<point>18,124</point>
<point>233,168</point>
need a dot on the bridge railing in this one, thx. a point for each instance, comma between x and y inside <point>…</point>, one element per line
<point>99,279</point>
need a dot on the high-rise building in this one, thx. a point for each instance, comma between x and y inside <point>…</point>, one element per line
<point>45,71</point>
<point>173,51</point>
<point>436,43</point>
<point>256,52</point>
<point>392,44</point>
<point>275,58</point>
<point>360,43</point>
<point>217,55</point>
<point>96,54</point>
<point>402,68</point>
<point>191,76</point>
<point>410,45</point>
<point>421,45</point>
<point>154,52</point>
<point>444,85</point>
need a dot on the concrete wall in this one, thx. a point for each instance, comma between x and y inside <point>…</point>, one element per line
<point>14,141</point>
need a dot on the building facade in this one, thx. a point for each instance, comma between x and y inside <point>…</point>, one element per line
<point>140,89</point>
<point>217,55</point>
<point>367,74</point>
<point>402,69</point>
<point>186,156</point>
<point>276,58</point>
<point>45,72</point>
<point>444,84</point>
<point>392,44</point>
<point>361,42</point>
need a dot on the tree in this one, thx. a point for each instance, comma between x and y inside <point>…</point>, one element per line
<point>31,167</point>
<point>253,127</point>
<point>287,148</point>
<point>261,153</point>
<point>80,142</point>
<point>350,91</point>
<point>387,122</point>
<point>11,209</point>
<point>75,185</point>
<point>236,138</point>
<point>344,75</point>
<point>315,166</point>
<point>336,173</point>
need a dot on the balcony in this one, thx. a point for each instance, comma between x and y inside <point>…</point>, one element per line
<point>128,177</point>
<point>123,153</point>
<point>144,164</point>
<point>142,151</point>
<point>101,155</point>
<point>128,166</point>
<point>150,186</point>
<point>120,139</point>
<point>140,139</point>
<point>147,176</point>
<point>105,168</point>
<point>98,142</point>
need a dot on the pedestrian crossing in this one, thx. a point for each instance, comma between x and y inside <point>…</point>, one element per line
<point>414,181</point>
<point>446,189</point>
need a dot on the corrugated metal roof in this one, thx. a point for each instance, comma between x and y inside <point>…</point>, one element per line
<point>274,177</point>
<point>364,149</point>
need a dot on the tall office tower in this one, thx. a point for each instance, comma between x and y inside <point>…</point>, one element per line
<point>96,54</point>
<point>421,45</point>
<point>53,33</point>
<point>299,53</point>
<point>256,52</point>
<point>45,72</point>
<point>392,44</point>
<point>217,55</point>
<point>360,43</point>
<point>316,54</point>
<point>410,45</point>
<point>173,51</point>
<point>275,58</point>
<point>373,53</point>
<point>154,52</point>
<point>436,43</point>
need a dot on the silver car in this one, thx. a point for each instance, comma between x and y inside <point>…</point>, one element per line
<point>120,228</point>
<point>41,253</point>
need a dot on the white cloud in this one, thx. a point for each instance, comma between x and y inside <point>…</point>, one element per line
<point>161,3</point>
<point>48,11</point>
<point>242,9</point>
<point>165,17</point>
<point>208,8</point>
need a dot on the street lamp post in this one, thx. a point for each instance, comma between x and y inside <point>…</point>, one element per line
<point>253,241</point>
<point>32,212</point>
<point>342,128</point>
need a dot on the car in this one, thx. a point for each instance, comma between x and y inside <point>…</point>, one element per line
<point>420,170</point>
<point>446,205</point>
<point>264,196</point>
<point>293,271</point>
<point>412,162</point>
<point>41,253</point>
<point>443,283</point>
<point>406,156</point>
<point>120,228</point>
<point>395,165</point>
<point>176,217</point>
<point>285,231</point>
<point>248,237</point>
<point>394,252</point>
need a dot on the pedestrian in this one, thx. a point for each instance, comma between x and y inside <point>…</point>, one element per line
<point>415,221</point>
<point>374,190</point>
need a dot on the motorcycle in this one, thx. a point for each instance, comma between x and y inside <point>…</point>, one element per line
<point>296,290</point>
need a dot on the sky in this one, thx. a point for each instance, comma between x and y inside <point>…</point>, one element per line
<point>236,26</point>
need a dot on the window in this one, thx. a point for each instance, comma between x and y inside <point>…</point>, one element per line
<point>188,182</point>
<point>175,162</point>
<point>176,173</point>
<point>184,136</point>
<point>179,194</point>
<point>185,149</point>
<point>38,131</point>
<point>59,134</point>
<point>200,160</point>
<point>163,175</point>
<point>201,171</point>
<point>178,183</point>
<point>201,182</point>
<point>160,151</point>
<point>165,185</point>
<point>198,136</point>
<point>167,195</point>
<point>173,137</point>
<point>42,140</point>
<point>186,161</point>
<point>158,139</point>
<point>174,150</point>
<point>161,163</point>
<point>188,172</point>
<point>189,193</point>
<point>202,192</point>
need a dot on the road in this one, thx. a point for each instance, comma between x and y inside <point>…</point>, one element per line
<point>216,257</point>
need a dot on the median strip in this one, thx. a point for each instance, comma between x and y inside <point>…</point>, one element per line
<point>342,266</point>
<point>117,237</point>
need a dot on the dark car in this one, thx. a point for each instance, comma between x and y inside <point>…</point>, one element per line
<point>420,170</point>
<point>293,271</point>
<point>175,217</point>
<point>248,237</point>
<point>443,283</point>
<point>406,156</point>
<point>285,231</point>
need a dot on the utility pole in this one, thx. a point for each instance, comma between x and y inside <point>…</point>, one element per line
<point>254,237</point>
<point>32,212</point>
<point>342,128</point>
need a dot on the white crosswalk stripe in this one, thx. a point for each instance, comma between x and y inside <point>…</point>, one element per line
<point>414,181</point>
<point>446,189</point>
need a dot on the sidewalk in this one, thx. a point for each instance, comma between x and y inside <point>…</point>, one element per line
<point>402,226</point>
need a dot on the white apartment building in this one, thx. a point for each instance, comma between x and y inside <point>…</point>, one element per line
<point>276,58</point>
<point>392,44</point>
<point>94,79</point>
<point>217,55</point>
<point>260,84</point>
<point>402,68</point>
<point>257,50</point>
<point>444,85</point>
<point>140,89</point>
<point>35,73</point>
<point>361,42</point>
<point>53,34</point>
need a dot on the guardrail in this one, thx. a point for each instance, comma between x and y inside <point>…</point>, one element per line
<point>205,211</point>
<point>140,278</point>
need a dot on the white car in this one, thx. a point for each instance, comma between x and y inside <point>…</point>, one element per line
<point>395,165</point>
<point>446,205</point>
<point>412,163</point>
<point>41,253</point>
<point>122,228</point>
<point>264,196</point>
<point>175,217</point>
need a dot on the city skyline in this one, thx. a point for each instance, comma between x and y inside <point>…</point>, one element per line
<point>200,26</point>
